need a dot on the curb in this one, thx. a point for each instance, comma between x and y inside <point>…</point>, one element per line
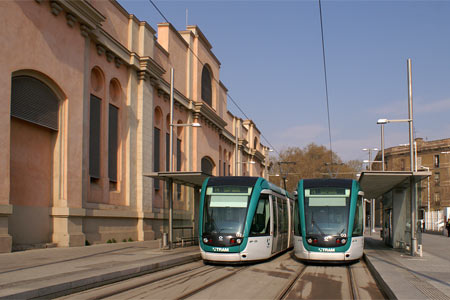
<point>379,279</point>
<point>73,286</point>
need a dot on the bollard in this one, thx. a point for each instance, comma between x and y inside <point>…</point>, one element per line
<point>419,250</point>
<point>164,240</point>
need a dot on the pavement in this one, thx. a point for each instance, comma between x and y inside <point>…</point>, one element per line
<point>53,272</point>
<point>402,276</point>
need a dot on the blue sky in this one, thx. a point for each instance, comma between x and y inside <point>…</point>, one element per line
<point>271,55</point>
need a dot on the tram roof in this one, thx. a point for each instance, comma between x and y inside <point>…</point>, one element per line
<point>193,179</point>
<point>376,183</point>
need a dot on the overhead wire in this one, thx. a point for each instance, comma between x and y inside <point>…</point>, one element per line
<point>228,94</point>
<point>326,82</point>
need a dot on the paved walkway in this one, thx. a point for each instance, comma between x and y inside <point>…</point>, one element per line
<point>46,273</point>
<point>50,272</point>
<point>404,277</point>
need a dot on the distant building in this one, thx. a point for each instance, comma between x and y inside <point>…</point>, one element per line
<point>85,115</point>
<point>434,193</point>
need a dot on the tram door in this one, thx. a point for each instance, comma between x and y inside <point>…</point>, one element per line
<point>274,218</point>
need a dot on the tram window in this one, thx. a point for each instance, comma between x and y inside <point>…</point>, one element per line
<point>275,216</point>
<point>358,224</point>
<point>261,220</point>
<point>285,216</point>
<point>297,224</point>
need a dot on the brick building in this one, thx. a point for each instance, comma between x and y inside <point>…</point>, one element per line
<point>434,193</point>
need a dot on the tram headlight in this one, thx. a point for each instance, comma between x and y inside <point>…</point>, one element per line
<point>205,240</point>
<point>239,241</point>
<point>343,241</point>
<point>309,240</point>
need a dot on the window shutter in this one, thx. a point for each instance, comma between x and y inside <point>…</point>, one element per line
<point>167,152</point>
<point>113,142</point>
<point>156,154</point>
<point>178,155</point>
<point>94,136</point>
<point>33,101</point>
<point>206,86</point>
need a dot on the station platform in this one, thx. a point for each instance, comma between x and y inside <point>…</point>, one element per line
<point>402,276</point>
<point>48,273</point>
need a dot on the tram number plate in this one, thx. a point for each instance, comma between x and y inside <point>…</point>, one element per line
<point>327,250</point>
<point>216,249</point>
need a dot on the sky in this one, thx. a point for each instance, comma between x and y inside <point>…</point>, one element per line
<point>272,64</point>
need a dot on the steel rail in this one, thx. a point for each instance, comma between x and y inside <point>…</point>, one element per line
<point>119,290</point>
<point>352,283</point>
<point>205,286</point>
<point>292,281</point>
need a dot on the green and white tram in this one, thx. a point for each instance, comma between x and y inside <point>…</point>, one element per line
<point>328,220</point>
<point>244,219</point>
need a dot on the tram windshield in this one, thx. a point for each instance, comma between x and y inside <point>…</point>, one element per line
<point>326,211</point>
<point>225,209</point>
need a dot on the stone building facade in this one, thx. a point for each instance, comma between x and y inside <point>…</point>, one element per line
<point>434,193</point>
<point>86,113</point>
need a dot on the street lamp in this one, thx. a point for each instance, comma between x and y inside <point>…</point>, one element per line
<point>170,180</point>
<point>370,155</point>
<point>413,186</point>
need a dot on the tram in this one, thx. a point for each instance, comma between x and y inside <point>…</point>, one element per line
<point>244,219</point>
<point>328,223</point>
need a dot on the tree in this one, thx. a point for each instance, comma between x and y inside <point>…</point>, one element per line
<point>313,161</point>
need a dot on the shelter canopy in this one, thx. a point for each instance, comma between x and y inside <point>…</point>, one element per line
<point>192,179</point>
<point>376,183</point>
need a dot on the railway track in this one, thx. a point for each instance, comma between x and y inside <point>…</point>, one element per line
<point>351,281</point>
<point>280,278</point>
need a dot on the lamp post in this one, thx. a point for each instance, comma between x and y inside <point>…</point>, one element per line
<point>170,180</point>
<point>413,185</point>
<point>370,155</point>
<point>284,175</point>
<point>382,122</point>
<point>245,162</point>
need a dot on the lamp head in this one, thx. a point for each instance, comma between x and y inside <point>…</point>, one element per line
<point>382,121</point>
<point>196,125</point>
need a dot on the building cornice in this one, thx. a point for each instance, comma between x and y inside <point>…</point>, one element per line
<point>227,136</point>
<point>201,109</point>
<point>84,11</point>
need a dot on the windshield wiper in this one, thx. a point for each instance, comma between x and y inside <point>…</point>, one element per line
<point>314,223</point>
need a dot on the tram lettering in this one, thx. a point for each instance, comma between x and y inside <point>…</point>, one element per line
<point>327,250</point>
<point>217,249</point>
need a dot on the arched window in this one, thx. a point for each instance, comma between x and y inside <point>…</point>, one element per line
<point>157,143</point>
<point>33,101</point>
<point>206,86</point>
<point>207,165</point>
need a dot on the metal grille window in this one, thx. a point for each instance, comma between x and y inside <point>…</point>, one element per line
<point>206,86</point>
<point>179,166</point>
<point>33,101</point>
<point>156,153</point>
<point>207,166</point>
<point>113,142</point>
<point>94,136</point>
<point>436,161</point>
